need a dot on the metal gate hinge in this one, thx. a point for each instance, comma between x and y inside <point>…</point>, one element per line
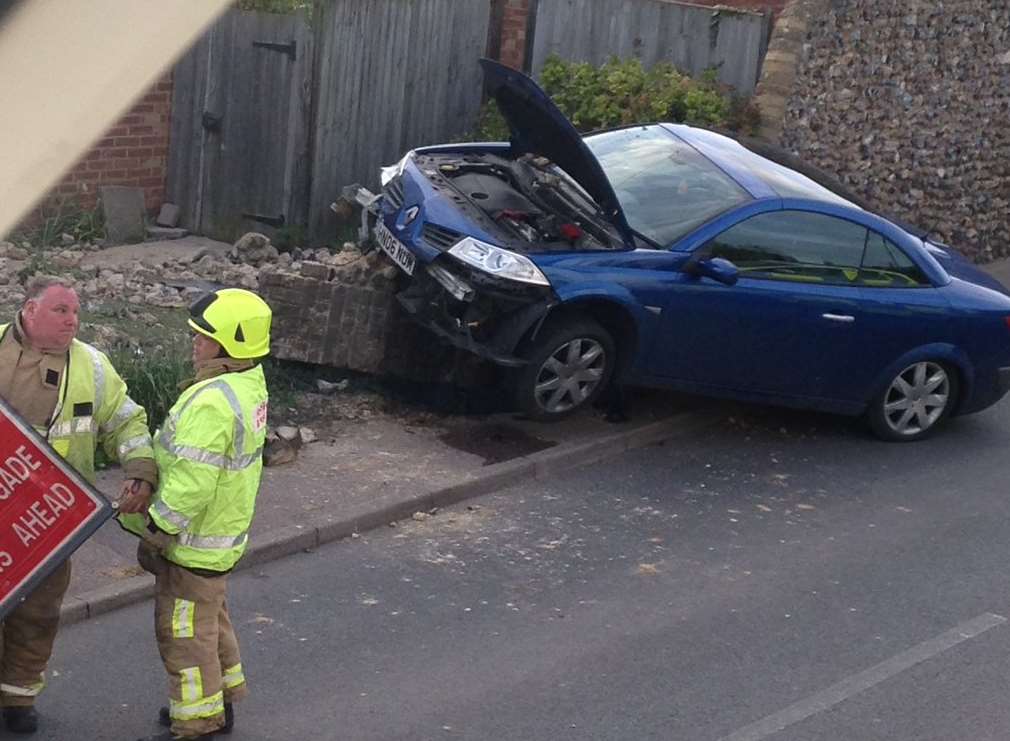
<point>290,49</point>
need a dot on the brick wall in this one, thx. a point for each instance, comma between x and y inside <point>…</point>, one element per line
<point>513,32</point>
<point>134,151</point>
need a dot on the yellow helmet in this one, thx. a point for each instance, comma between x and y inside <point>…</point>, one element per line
<point>237,319</point>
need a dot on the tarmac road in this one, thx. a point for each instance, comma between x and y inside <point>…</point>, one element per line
<point>782,576</point>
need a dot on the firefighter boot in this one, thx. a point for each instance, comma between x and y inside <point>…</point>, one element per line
<point>229,718</point>
<point>22,719</point>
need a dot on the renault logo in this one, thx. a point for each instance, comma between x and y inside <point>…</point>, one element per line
<point>410,214</point>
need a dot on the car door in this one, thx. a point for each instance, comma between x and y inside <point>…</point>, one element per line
<point>901,310</point>
<point>787,327</point>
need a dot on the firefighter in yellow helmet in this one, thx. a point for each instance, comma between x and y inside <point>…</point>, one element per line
<point>209,456</point>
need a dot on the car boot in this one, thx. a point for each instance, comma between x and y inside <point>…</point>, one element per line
<point>169,736</point>
<point>229,718</point>
<point>21,719</point>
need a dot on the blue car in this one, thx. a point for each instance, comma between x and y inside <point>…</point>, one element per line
<point>672,256</point>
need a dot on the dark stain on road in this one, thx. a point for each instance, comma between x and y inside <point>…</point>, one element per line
<point>494,442</point>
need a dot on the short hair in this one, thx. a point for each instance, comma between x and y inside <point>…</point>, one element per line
<point>39,284</point>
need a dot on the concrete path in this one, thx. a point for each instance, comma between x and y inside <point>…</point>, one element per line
<point>157,252</point>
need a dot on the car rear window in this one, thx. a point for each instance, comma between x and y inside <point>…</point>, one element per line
<point>785,181</point>
<point>664,185</point>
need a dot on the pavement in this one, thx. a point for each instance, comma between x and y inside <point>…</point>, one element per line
<point>374,473</point>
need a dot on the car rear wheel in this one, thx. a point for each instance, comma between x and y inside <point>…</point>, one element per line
<point>568,366</point>
<point>915,402</point>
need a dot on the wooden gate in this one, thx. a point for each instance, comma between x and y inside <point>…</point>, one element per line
<point>240,126</point>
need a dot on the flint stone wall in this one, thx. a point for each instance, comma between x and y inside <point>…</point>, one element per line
<point>907,102</point>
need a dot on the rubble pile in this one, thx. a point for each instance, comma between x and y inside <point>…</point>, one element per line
<point>908,103</point>
<point>175,282</point>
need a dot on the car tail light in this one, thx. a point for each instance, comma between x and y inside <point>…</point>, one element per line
<point>1006,320</point>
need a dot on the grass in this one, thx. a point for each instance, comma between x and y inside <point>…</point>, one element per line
<point>154,380</point>
<point>52,220</point>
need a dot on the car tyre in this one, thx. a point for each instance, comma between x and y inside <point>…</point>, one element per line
<point>914,402</point>
<point>568,366</point>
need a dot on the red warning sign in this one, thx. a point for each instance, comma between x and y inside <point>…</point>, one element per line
<point>47,509</point>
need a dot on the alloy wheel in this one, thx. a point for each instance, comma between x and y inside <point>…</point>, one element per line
<point>570,375</point>
<point>917,398</point>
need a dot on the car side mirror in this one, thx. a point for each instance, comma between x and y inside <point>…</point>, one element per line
<point>717,268</point>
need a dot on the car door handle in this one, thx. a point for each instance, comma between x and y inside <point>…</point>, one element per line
<point>845,318</point>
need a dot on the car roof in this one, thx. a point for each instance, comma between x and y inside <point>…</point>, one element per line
<point>761,176</point>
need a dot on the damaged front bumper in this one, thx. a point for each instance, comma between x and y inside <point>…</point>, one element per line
<point>466,307</point>
<point>475,312</point>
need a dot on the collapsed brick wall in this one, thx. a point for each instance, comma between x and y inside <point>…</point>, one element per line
<point>346,316</point>
<point>908,102</point>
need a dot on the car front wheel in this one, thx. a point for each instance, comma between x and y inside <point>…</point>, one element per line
<point>915,402</point>
<point>568,366</point>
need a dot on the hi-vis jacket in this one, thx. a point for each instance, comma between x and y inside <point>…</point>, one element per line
<point>94,408</point>
<point>210,457</point>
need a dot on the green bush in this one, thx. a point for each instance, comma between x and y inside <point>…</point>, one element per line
<point>622,92</point>
<point>491,126</point>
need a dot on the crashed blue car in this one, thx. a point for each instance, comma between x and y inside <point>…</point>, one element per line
<point>672,256</point>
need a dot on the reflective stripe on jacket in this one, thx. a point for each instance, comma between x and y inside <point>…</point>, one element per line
<point>93,409</point>
<point>210,457</point>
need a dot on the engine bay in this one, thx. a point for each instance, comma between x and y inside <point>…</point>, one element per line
<point>529,200</point>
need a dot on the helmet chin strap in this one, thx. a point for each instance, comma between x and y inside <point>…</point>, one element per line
<point>216,366</point>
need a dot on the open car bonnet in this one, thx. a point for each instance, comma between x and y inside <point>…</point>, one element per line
<point>539,127</point>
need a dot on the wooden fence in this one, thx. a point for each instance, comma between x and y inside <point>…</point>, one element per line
<point>239,142</point>
<point>692,37</point>
<point>392,75</point>
<point>273,114</point>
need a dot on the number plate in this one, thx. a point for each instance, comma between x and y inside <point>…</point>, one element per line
<point>393,247</point>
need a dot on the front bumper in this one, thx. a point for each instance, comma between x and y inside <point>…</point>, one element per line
<point>468,308</point>
<point>489,322</point>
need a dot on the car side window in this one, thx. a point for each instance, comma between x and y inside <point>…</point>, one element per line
<point>886,266</point>
<point>794,246</point>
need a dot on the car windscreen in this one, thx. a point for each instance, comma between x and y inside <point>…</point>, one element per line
<point>664,185</point>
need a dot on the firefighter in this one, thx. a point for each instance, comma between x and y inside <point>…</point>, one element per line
<point>209,456</point>
<point>70,393</point>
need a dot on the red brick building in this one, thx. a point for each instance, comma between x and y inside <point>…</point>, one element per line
<point>133,152</point>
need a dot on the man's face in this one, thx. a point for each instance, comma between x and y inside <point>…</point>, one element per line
<point>204,348</point>
<point>52,319</point>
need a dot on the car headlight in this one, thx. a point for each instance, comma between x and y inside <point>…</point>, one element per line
<point>388,173</point>
<point>498,262</point>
